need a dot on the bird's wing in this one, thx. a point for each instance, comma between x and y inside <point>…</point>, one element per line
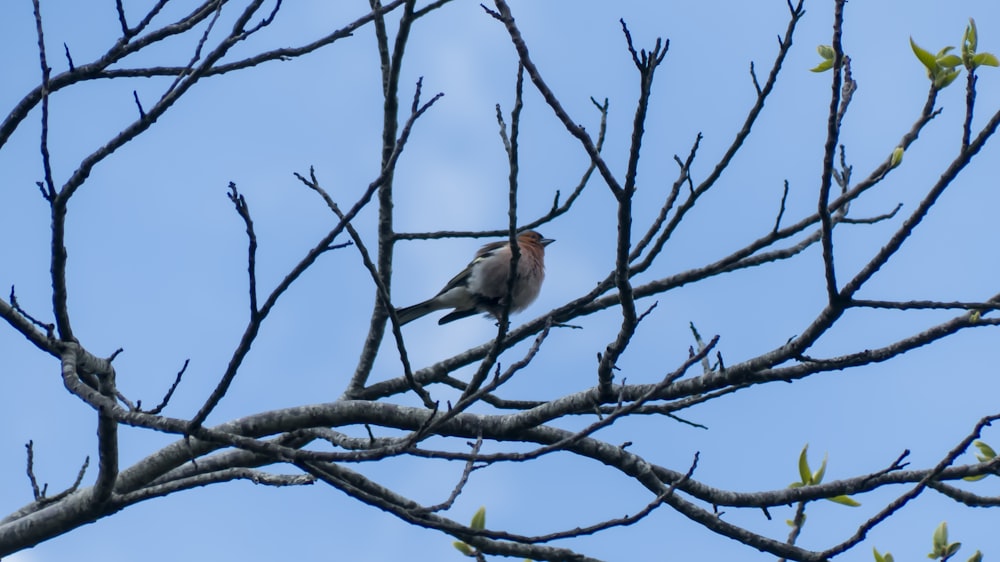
<point>462,279</point>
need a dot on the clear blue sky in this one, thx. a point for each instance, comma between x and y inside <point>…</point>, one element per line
<point>157,265</point>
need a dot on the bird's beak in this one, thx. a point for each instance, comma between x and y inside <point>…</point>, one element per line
<point>546,241</point>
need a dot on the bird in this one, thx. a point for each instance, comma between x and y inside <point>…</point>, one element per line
<point>482,286</point>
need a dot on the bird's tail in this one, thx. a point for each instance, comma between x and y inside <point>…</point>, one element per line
<point>411,313</point>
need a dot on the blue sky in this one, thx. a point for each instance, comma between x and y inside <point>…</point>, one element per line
<point>157,264</point>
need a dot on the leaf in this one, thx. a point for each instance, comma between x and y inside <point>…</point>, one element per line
<point>940,537</point>
<point>942,53</point>
<point>823,66</point>
<point>845,500</point>
<point>826,52</point>
<point>985,59</point>
<point>977,557</point>
<point>463,548</point>
<point>897,157</point>
<point>950,61</point>
<point>951,549</point>
<point>973,478</point>
<point>945,79</point>
<point>479,519</point>
<point>804,472</point>
<point>881,557</point>
<point>971,37</point>
<point>818,476</point>
<point>987,451</point>
<point>928,60</point>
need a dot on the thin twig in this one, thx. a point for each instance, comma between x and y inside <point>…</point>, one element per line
<point>902,500</point>
<point>383,293</point>
<point>170,392</point>
<point>240,202</point>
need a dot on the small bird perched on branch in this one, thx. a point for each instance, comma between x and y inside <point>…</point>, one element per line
<point>482,285</point>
